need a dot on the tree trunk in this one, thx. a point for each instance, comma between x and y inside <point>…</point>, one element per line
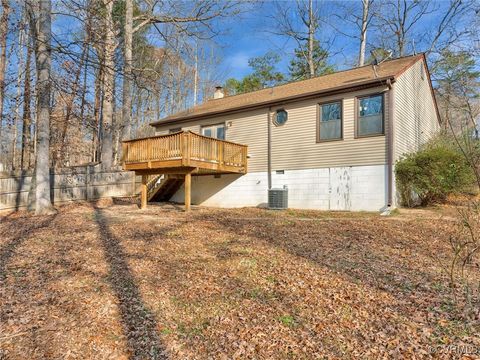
<point>138,109</point>
<point>195,74</point>
<point>108,84</point>
<point>3,55</point>
<point>127,72</point>
<point>116,126</point>
<point>62,155</point>
<point>363,33</point>
<point>97,112</point>
<point>26,117</point>
<point>42,26</point>
<point>21,69</point>
<point>311,38</point>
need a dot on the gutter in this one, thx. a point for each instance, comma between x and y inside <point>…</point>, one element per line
<point>314,94</point>
<point>390,143</point>
<point>269,147</point>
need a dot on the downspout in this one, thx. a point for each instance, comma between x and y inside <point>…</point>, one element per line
<point>390,143</point>
<point>269,148</point>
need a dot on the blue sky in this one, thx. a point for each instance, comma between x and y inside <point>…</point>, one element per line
<point>248,36</point>
<point>243,37</point>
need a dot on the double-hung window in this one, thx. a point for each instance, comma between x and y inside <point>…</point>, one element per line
<point>215,131</point>
<point>370,115</point>
<point>330,121</point>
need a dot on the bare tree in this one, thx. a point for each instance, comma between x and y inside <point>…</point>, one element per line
<point>303,31</point>
<point>400,20</point>
<point>21,72</point>
<point>397,19</point>
<point>27,116</point>
<point>108,86</point>
<point>127,71</point>
<point>62,154</point>
<point>354,21</point>
<point>311,22</point>
<point>97,112</point>
<point>363,31</point>
<point>195,75</point>
<point>41,27</point>
<point>3,54</point>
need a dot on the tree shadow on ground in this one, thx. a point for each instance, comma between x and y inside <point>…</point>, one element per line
<point>138,321</point>
<point>349,248</point>
<point>25,228</point>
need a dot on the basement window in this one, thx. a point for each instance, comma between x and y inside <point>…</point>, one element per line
<point>280,172</point>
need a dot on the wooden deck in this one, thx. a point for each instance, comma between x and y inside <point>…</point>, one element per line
<point>184,153</point>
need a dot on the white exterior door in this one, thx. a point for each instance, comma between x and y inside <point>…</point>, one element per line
<point>340,188</point>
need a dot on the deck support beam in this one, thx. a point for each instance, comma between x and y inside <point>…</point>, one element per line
<point>143,195</point>
<point>188,191</point>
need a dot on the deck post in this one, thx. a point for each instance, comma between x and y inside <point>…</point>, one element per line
<point>188,191</point>
<point>143,196</point>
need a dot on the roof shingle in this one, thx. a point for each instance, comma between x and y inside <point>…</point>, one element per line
<point>341,79</point>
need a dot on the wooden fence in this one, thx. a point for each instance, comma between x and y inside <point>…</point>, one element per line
<point>72,184</point>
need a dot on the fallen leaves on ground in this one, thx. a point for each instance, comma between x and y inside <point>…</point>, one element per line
<point>103,281</point>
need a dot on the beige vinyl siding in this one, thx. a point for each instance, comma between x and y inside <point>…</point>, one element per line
<point>248,128</point>
<point>294,144</point>
<point>415,116</point>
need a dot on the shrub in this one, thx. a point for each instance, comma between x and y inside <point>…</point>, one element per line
<point>431,174</point>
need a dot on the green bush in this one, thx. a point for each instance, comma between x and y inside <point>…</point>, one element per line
<point>431,174</point>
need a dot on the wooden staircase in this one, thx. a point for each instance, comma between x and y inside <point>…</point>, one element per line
<point>163,187</point>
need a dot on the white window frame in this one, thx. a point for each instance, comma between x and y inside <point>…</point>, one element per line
<point>214,128</point>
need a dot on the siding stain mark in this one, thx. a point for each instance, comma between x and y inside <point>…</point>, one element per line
<point>340,188</point>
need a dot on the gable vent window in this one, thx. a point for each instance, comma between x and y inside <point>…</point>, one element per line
<point>281,117</point>
<point>330,121</point>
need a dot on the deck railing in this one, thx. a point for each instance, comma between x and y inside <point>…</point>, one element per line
<point>187,147</point>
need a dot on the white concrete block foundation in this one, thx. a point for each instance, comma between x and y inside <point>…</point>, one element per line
<point>353,188</point>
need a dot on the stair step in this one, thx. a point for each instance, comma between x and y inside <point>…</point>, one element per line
<point>167,189</point>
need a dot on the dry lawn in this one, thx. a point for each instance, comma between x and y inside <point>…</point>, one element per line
<point>103,281</point>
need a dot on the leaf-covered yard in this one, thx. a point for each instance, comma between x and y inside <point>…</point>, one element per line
<point>110,282</point>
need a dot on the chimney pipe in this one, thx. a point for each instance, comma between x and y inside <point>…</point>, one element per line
<point>218,94</point>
